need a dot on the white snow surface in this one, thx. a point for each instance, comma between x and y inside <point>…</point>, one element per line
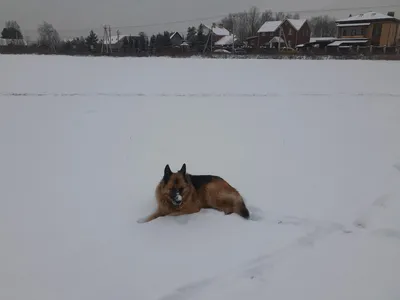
<point>314,147</point>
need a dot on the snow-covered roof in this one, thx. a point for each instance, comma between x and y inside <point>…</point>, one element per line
<point>321,39</point>
<point>297,23</point>
<point>276,39</point>
<point>352,24</point>
<point>221,51</point>
<point>19,42</point>
<point>172,35</point>
<point>369,16</point>
<point>270,26</point>
<point>70,39</point>
<point>221,31</point>
<point>340,42</point>
<point>114,38</point>
<point>225,40</point>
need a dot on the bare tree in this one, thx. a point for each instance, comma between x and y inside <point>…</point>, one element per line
<point>241,22</point>
<point>323,26</point>
<point>48,36</point>
<point>266,16</point>
<point>253,20</point>
<point>13,24</point>
<point>237,24</point>
<point>280,16</point>
<point>227,22</point>
<point>296,16</point>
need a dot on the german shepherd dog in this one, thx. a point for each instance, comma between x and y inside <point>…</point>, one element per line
<point>181,193</point>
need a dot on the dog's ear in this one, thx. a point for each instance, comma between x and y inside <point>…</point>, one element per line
<point>167,173</point>
<point>183,169</point>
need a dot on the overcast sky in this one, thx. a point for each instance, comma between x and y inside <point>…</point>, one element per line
<point>76,17</point>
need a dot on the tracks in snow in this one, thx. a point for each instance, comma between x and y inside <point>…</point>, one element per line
<point>255,273</point>
<point>257,270</point>
<point>191,95</point>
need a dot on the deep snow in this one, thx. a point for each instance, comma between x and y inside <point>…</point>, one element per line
<point>314,146</point>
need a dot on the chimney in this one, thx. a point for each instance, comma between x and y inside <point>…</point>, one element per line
<point>391,14</point>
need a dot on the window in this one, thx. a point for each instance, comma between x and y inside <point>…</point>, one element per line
<point>271,34</point>
<point>344,32</point>
<point>290,31</point>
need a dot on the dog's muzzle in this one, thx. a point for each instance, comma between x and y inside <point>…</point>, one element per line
<point>177,199</point>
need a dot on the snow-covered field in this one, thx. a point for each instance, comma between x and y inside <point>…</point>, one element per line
<point>314,146</point>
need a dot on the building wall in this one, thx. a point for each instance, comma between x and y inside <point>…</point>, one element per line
<point>388,35</point>
<point>290,33</point>
<point>304,34</point>
<point>398,35</point>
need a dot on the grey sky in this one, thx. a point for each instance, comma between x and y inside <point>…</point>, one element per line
<point>76,17</point>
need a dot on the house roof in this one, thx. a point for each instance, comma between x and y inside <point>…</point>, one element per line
<point>352,24</point>
<point>349,41</point>
<point>369,16</point>
<point>322,39</point>
<point>115,40</point>
<point>225,40</point>
<point>297,23</point>
<point>218,30</point>
<point>272,26</point>
<point>276,39</point>
<point>172,35</point>
<point>20,42</point>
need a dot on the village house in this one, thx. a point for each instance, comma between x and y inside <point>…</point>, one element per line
<point>176,39</point>
<point>289,32</point>
<point>379,29</point>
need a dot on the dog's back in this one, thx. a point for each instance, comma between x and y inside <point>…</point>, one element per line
<point>214,192</point>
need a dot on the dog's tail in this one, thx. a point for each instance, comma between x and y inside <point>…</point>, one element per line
<point>243,211</point>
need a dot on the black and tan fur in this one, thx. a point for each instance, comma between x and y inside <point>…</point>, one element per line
<point>181,193</point>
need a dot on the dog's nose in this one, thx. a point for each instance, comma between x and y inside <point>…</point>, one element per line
<point>178,198</point>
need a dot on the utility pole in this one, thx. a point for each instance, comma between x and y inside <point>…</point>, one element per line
<point>106,44</point>
<point>233,33</point>
<point>109,37</point>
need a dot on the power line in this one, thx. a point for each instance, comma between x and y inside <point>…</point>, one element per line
<point>227,14</point>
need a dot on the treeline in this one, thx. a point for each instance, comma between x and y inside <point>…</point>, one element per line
<point>244,24</point>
